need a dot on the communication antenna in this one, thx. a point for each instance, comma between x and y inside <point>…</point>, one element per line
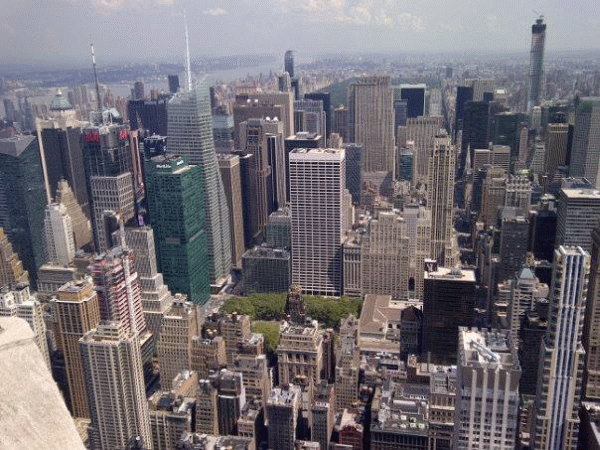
<point>96,77</point>
<point>188,66</point>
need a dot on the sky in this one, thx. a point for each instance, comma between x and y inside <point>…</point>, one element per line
<point>45,31</point>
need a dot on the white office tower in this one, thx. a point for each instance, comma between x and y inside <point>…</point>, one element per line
<point>440,196</point>
<point>562,356</point>
<point>487,391</point>
<point>58,230</point>
<point>371,124</point>
<point>190,135</point>
<point>112,363</point>
<point>112,357</point>
<point>20,303</point>
<point>317,184</point>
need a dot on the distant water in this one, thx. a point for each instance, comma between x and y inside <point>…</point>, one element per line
<point>124,89</point>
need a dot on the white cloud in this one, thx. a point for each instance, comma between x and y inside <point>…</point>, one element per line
<point>357,12</point>
<point>114,5</point>
<point>215,12</point>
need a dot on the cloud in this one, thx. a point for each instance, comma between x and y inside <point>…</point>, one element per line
<point>491,23</point>
<point>115,5</point>
<point>215,12</point>
<point>381,13</point>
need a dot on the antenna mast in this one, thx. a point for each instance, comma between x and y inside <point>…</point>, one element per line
<point>96,77</point>
<point>188,67</point>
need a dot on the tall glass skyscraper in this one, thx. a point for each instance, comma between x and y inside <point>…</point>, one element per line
<point>190,135</point>
<point>536,63</point>
<point>176,206</point>
<point>23,199</point>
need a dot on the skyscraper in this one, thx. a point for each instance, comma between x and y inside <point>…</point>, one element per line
<point>317,185</point>
<point>585,155</point>
<point>112,355</point>
<point>76,311</point>
<point>421,130</point>
<point>371,124</point>
<point>448,303</point>
<point>58,231</point>
<point>591,332</point>
<point>487,390</point>
<point>325,97</point>
<point>264,139</point>
<point>156,298</point>
<point>578,212</point>
<point>174,346</point>
<point>177,206</point>
<point>440,195</point>
<point>288,62</point>
<point>229,165</point>
<point>562,356</point>
<point>190,135</point>
<point>109,164</point>
<point>23,199</point>
<point>61,147</point>
<point>112,363</point>
<point>282,414</point>
<point>556,147</point>
<point>414,94</point>
<point>475,130</point>
<point>536,64</point>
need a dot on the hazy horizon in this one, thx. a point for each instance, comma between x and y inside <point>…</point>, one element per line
<point>58,32</point>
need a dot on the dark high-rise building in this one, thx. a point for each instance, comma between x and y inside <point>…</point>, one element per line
<point>475,129</point>
<point>536,64</point>
<point>113,178</point>
<point>506,132</point>
<point>464,94</point>
<point>340,122</point>
<point>154,146</point>
<point>414,94</point>
<point>531,332</point>
<point>61,145</point>
<point>288,62</point>
<point>249,187</point>
<point>325,97</point>
<point>354,154</point>
<point>137,93</point>
<point>585,160</point>
<point>543,234</point>
<point>176,202</point>
<point>23,199</point>
<point>448,303</point>
<point>151,115</point>
<point>513,242</point>
<point>173,83</point>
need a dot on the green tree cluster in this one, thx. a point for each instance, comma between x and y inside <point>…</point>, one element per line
<point>271,307</point>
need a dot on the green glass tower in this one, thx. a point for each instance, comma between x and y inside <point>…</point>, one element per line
<point>175,192</point>
<point>23,199</point>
